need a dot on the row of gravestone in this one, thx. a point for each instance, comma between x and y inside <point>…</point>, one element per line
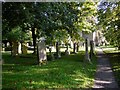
<point>42,55</point>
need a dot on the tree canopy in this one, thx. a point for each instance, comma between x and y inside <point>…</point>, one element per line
<point>48,17</point>
<point>109,19</point>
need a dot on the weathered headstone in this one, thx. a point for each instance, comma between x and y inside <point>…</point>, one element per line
<point>67,52</point>
<point>24,48</point>
<point>71,44</point>
<point>8,44</point>
<point>42,57</point>
<point>19,48</point>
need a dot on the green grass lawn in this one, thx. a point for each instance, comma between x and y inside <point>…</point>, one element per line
<point>67,72</point>
<point>114,57</point>
<point>108,46</point>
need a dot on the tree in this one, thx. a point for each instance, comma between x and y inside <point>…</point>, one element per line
<point>12,16</point>
<point>109,19</point>
<point>13,19</point>
<point>88,23</point>
<point>17,36</point>
<point>50,20</point>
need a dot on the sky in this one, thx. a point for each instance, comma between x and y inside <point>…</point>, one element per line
<point>55,0</point>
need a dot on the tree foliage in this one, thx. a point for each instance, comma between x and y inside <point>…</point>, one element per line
<point>109,18</point>
<point>50,19</point>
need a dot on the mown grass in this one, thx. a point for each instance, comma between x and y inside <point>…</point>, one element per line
<point>67,72</point>
<point>114,57</point>
<point>108,46</point>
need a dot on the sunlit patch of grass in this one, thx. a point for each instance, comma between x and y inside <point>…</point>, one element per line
<point>108,46</point>
<point>114,57</point>
<point>68,72</point>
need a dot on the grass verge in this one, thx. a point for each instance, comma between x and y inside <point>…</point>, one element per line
<point>67,72</point>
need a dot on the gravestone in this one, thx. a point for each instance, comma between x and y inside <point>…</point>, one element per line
<point>8,44</point>
<point>67,51</point>
<point>19,48</point>
<point>42,56</point>
<point>24,48</point>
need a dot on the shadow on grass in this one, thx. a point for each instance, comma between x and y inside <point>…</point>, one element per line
<point>8,59</point>
<point>67,72</point>
<point>114,58</point>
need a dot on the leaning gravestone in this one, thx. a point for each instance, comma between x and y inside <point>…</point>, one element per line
<point>42,56</point>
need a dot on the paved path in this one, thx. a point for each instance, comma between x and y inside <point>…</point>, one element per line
<point>104,76</point>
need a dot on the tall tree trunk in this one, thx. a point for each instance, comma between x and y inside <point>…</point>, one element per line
<point>51,54</point>
<point>91,48</point>
<point>78,47</point>
<point>34,39</point>
<point>11,44</point>
<point>37,55</point>
<point>58,50</point>
<point>14,50</point>
<point>67,52</point>
<point>5,43</point>
<point>74,47</point>
<point>87,59</point>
